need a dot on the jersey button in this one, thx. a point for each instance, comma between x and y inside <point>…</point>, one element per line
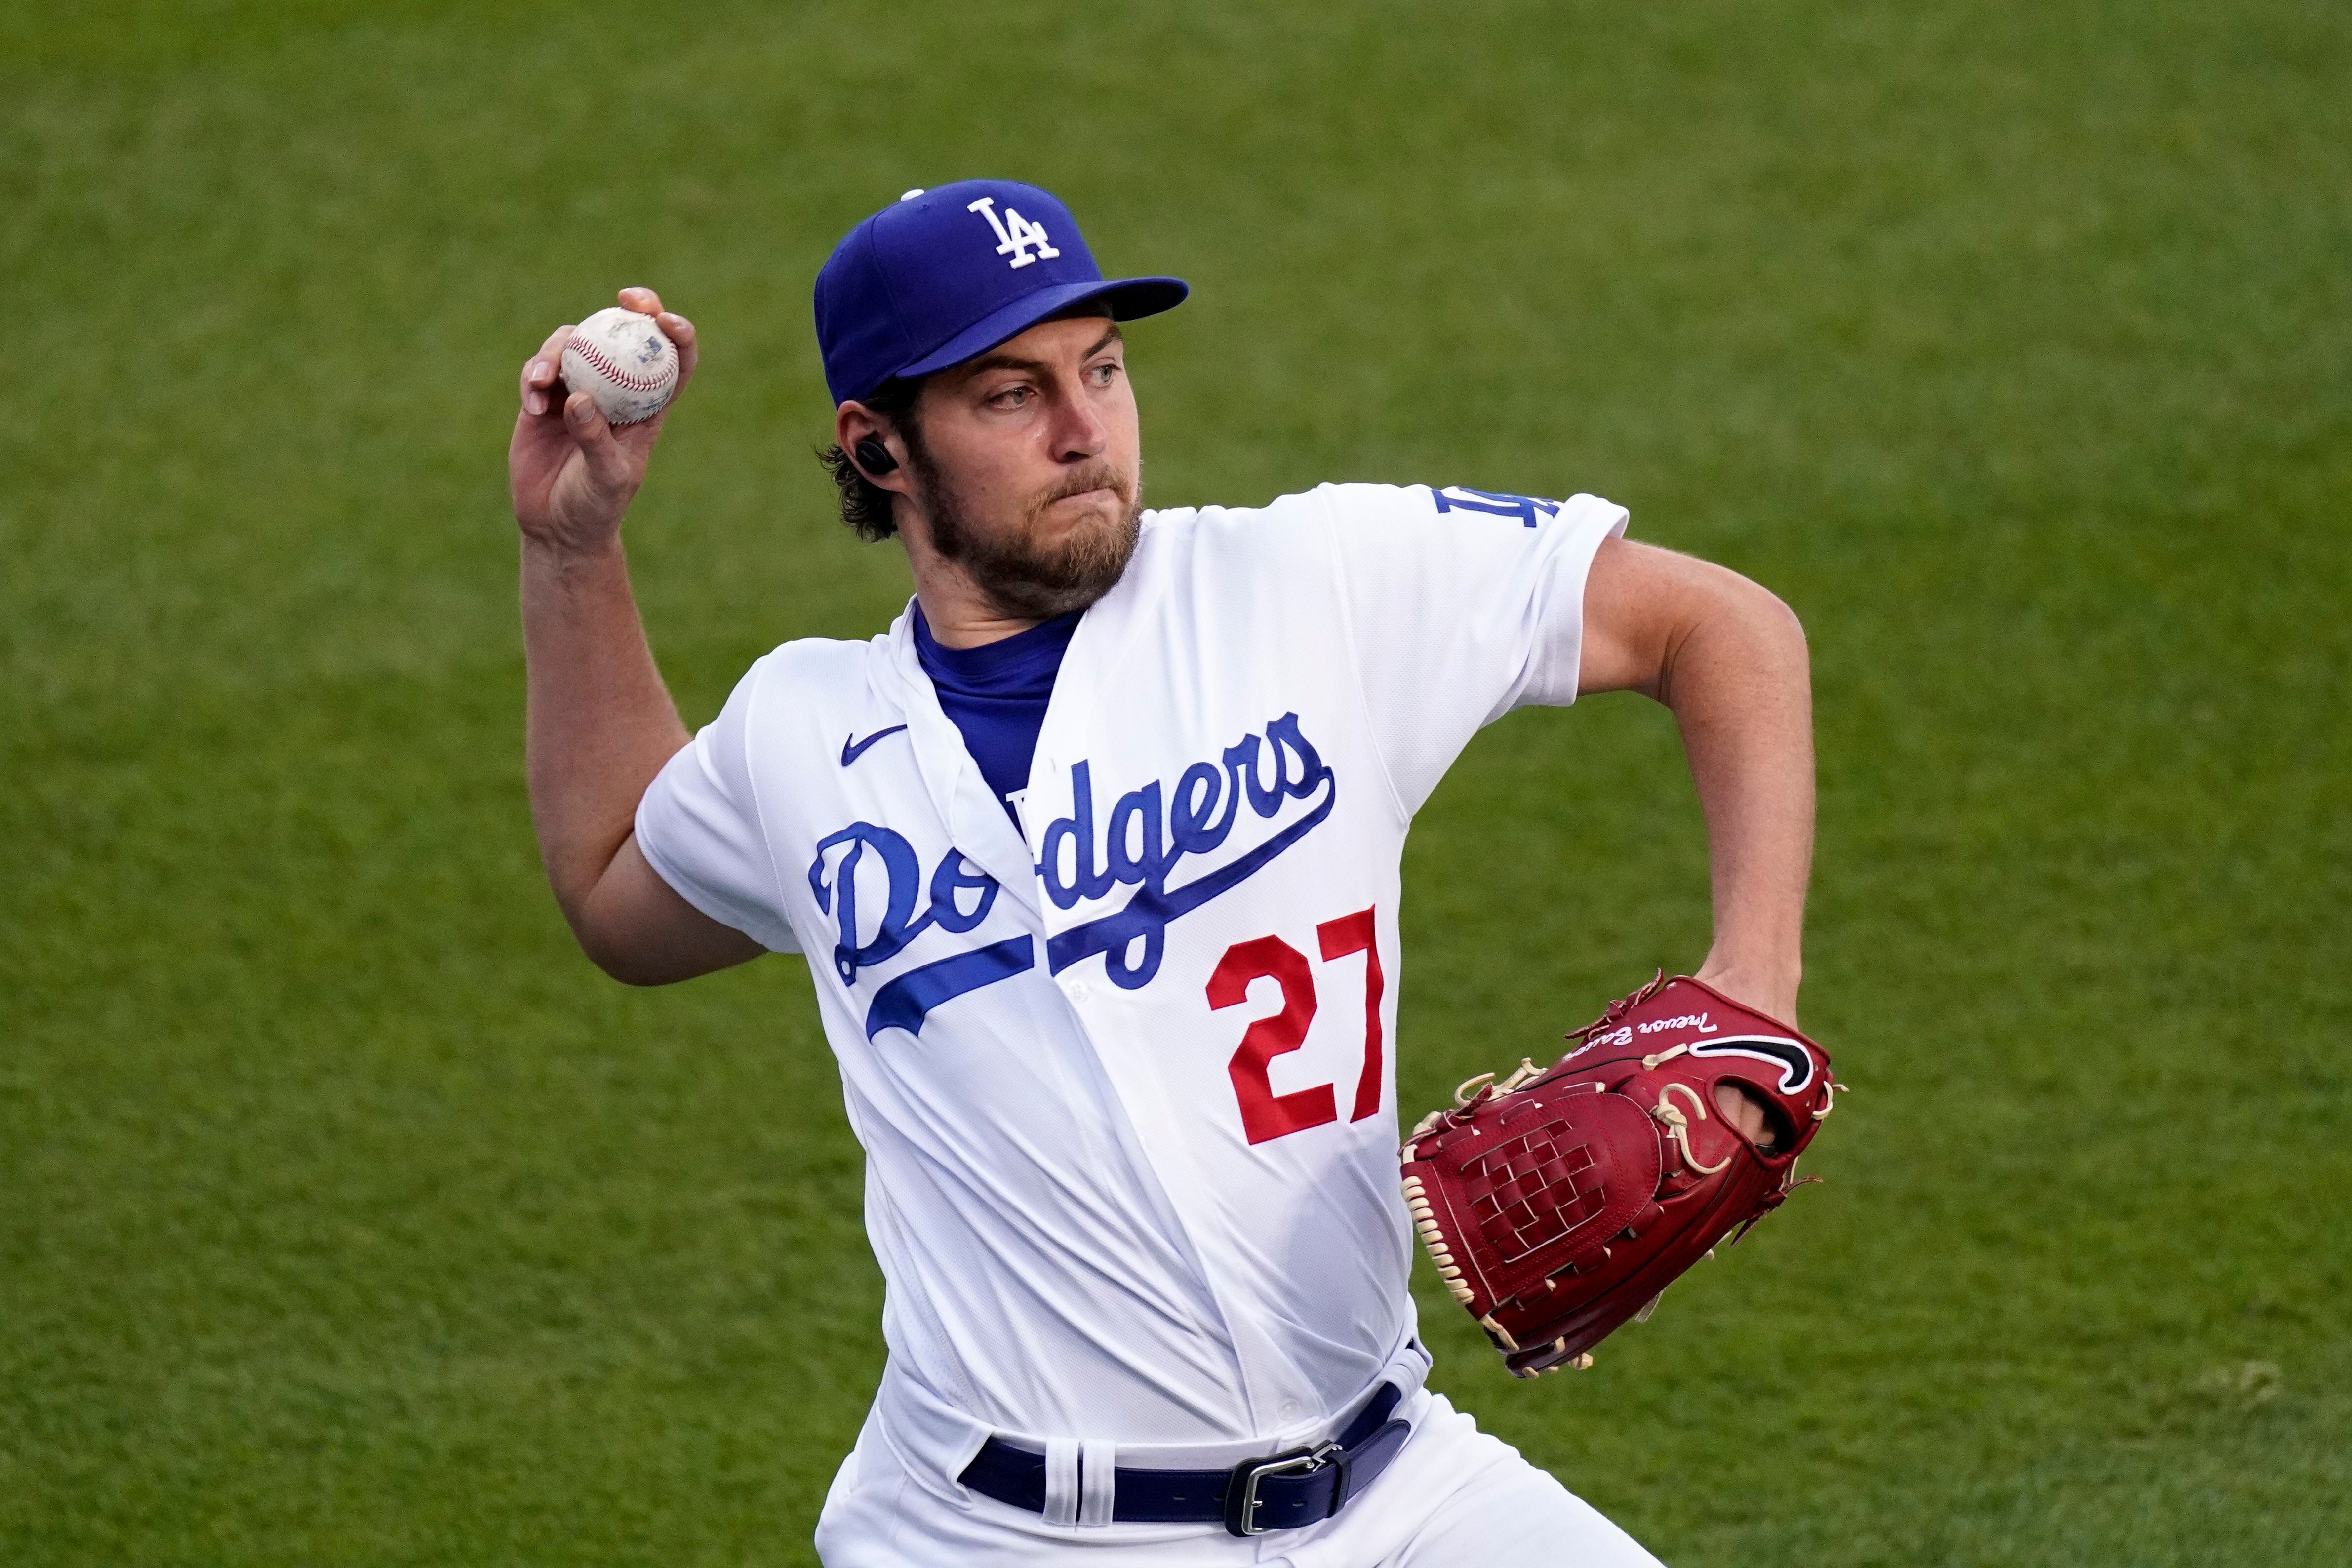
<point>1291,1410</point>
<point>1078,990</point>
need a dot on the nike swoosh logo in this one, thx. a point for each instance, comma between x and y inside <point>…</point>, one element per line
<point>853,747</point>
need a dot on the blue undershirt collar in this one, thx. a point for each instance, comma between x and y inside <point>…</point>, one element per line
<point>996,694</point>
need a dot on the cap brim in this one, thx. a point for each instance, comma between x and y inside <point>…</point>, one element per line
<point>1128,297</point>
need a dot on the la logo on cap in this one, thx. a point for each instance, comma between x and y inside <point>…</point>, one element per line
<point>1015,234</point>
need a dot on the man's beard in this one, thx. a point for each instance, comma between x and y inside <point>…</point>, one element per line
<point>1021,578</point>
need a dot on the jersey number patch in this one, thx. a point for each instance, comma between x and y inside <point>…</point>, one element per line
<point>1266,1115</point>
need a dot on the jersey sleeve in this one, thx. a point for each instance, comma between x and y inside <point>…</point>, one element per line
<point>1462,606</point>
<point>698,827</point>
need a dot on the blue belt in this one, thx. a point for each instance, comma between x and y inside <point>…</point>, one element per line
<point>1280,1491</point>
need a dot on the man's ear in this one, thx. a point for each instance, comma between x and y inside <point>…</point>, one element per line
<point>877,450</point>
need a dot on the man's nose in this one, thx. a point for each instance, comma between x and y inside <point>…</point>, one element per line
<point>1079,432</point>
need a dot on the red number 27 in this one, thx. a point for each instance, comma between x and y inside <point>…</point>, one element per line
<point>1265,1114</point>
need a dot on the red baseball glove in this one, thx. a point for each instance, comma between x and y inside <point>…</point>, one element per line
<point>1562,1201</point>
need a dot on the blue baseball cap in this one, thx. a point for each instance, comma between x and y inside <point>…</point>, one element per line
<point>950,272</point>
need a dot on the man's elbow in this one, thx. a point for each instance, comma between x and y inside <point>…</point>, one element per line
<point>630,968</point>
<point>640,932</point>
<point>1771,620</point>
<point>1735,625</point>
<point>1740,643</point>
<point>622,954</point>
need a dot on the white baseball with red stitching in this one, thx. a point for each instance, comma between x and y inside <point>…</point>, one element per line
<point>623,362</point>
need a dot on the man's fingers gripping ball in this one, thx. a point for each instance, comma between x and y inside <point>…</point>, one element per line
<point>679,330</point>
<point>540,374</point>
<point>624,361</point>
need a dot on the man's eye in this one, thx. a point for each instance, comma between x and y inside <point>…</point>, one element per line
<point>1105,372</point>
<point>1010,397</point>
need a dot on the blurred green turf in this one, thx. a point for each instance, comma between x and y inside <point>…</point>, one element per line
<point>346,1216</point>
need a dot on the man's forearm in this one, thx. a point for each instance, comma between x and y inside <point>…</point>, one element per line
<point>1740,689</point>
<point>601,724</point>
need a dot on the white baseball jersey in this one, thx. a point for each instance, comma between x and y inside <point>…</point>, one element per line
<point>1124,1073</point>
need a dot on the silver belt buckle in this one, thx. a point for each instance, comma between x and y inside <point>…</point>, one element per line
<point>1240,1492</point>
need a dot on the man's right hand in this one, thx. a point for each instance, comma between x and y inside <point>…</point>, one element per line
<point>572,474</point>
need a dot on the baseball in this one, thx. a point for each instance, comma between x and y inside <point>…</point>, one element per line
<point>623,362</point>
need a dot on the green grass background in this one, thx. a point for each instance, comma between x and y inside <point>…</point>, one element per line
<point>347,1216</point>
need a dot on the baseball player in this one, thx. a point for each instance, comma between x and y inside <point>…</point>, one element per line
<point>1094,856</point>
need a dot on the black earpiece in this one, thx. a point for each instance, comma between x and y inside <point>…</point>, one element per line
<point>873,456</point>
